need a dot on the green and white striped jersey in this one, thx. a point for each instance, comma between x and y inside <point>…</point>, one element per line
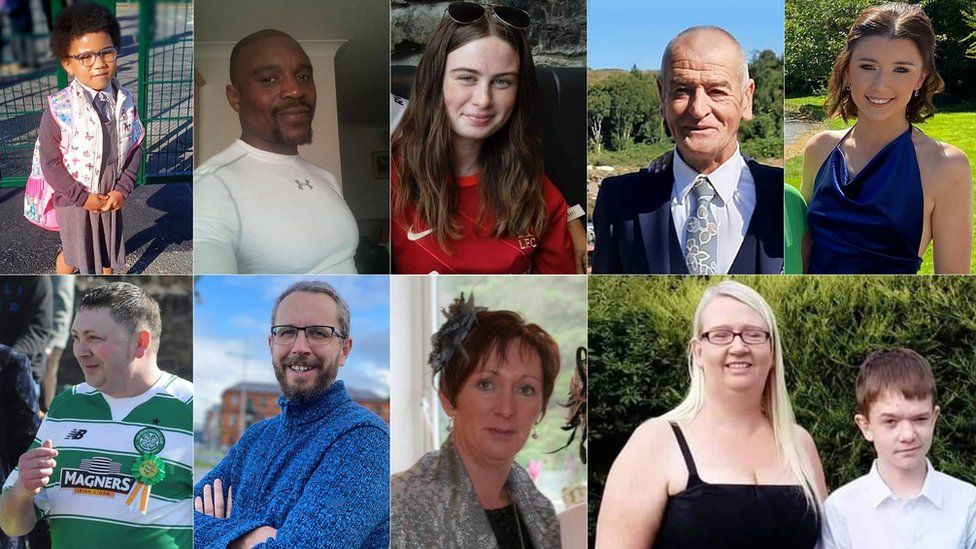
<point>99,440</point>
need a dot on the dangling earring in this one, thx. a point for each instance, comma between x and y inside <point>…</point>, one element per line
<point>450,424</point>
<point>916,93</point>
<point>535,434</point>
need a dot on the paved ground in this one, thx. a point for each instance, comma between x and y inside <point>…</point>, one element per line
<point>158,233</point>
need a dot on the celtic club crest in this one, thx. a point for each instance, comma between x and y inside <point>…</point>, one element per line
<point>149,441</point>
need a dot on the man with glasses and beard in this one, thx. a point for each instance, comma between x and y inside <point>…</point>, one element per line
<point>316,475</point>
<point>258,206</point>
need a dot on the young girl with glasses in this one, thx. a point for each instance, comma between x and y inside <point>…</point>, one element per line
<point>89,145</point>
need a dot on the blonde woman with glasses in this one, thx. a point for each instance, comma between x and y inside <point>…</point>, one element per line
<point>728,467</point>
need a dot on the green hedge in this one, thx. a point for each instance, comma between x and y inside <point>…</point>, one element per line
<point>639,326</point>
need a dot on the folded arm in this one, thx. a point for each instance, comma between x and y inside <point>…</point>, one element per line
<point>211,529</point>
<point>348,498</point>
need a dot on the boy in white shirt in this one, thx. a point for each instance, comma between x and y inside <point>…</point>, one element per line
<point>903,502</point>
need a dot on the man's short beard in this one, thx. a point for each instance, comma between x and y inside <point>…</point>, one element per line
<point>304,139</point>
<point>326,375</point>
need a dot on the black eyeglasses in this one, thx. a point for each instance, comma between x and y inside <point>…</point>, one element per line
<point>316,335</point>
<point>466,13</point>
<point>726,337</point>
<point>87,59</point>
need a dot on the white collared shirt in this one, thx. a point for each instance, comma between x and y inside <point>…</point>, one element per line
<point>109,94</point>
<point>865,514</point>
<point>733,205</point>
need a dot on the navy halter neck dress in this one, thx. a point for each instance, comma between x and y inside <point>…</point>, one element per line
<point>870,223</point>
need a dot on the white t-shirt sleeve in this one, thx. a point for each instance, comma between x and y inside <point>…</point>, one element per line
<point>216,226</point>
<point>333,182</point>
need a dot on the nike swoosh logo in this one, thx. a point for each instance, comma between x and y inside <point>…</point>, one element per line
<point>412,236</point>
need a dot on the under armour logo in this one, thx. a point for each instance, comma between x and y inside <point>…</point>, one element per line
<point>303,185</point>
<point>76,434</point>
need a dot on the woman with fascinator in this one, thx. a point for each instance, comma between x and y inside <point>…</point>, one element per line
<point>469,195</point>
<point>496,374</point>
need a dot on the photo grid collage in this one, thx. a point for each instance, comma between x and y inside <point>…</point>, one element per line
<point>336,274</point>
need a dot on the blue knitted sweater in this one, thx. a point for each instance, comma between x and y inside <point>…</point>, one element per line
<point>319,473</point>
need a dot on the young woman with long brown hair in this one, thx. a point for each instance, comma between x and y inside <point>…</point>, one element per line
<point>882,191</point>
<point>469,194</point>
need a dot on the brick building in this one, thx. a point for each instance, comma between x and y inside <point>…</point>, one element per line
<point>260,401</point>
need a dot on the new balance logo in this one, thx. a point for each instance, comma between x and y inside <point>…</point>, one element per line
<point>76,434</point>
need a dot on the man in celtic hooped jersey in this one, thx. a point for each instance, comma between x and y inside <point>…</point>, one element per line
<point>112,462</point>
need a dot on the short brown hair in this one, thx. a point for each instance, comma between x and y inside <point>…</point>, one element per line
<point>130,306</point>
<point>892,20</point>
<point>894,371</point>
<point>492,331</point>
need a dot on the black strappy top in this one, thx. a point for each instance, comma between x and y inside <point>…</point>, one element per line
<point>734,516</point>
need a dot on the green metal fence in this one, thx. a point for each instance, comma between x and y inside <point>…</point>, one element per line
<point>155,64</point>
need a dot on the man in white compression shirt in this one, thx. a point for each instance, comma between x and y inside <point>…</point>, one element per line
<point>258,207</point>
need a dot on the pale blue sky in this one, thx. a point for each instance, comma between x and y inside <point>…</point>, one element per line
<point>622,33</point>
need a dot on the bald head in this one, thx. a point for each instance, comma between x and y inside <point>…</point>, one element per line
<point>704,38</point>
<point>273,91</point>
<point>241,49</point>
<point>705,94</point>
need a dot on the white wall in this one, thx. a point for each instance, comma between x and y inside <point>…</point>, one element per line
<point>413,402</point>
<point>367,197</point>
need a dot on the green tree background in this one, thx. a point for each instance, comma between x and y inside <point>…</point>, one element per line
<point>639,328</point>
<point>816,31</point>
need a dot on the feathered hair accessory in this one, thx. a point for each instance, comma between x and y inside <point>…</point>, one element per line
<point>461,316</point>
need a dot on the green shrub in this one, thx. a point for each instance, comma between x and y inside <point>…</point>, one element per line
<point>762,148</point>
<point>639,328</point>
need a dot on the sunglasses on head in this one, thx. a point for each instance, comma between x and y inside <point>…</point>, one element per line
<point>466,13</point>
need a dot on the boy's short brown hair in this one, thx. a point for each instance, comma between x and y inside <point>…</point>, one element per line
<point>897,371</point>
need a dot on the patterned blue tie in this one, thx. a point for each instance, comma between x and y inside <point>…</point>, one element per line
<point>701,232</point>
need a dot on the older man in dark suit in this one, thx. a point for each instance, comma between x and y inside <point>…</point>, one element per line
<point>702,208</point>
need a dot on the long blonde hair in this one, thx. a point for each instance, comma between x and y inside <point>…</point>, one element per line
<point>775,398</point>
